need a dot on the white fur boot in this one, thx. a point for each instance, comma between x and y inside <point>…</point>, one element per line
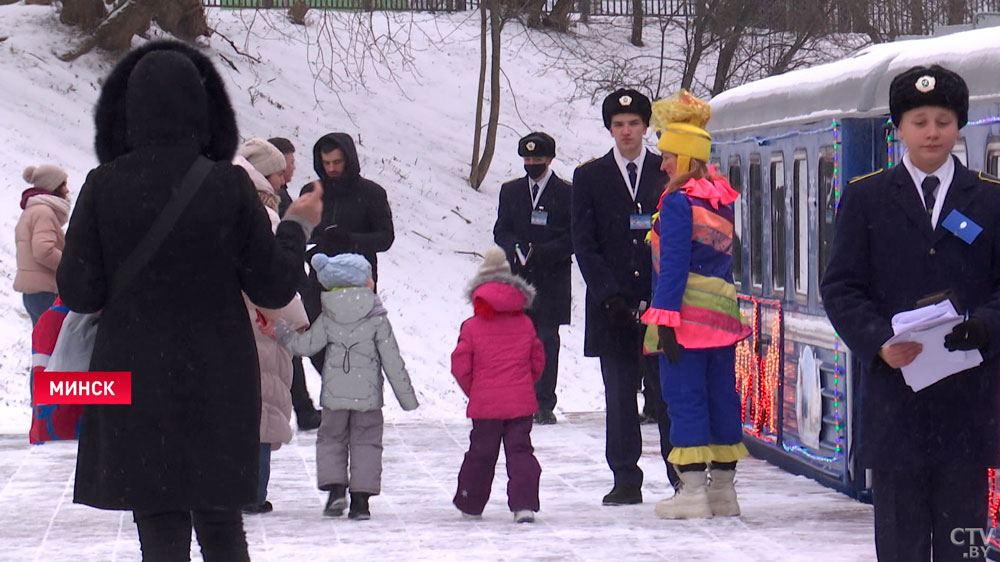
<point>722,493</point>
<point>691,501</point>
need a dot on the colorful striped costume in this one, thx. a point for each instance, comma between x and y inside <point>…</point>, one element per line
<point>693,292</point>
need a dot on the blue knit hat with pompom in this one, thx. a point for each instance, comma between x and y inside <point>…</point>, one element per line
<point>342,270</point>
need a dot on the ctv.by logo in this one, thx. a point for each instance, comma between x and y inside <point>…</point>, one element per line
<point>978,542</point>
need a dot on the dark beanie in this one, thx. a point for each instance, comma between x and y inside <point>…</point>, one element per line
<point>537,144</point>
<point>929,85</point>
<point>626,101</point>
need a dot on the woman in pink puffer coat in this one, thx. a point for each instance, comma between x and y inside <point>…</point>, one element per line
<point>497,362</point>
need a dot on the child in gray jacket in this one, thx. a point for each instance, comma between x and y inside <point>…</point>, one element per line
<point>359,342</point>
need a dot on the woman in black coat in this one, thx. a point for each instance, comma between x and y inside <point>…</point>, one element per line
<point>186,450</point>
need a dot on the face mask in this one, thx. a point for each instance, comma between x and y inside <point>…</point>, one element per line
<point>535,170</point>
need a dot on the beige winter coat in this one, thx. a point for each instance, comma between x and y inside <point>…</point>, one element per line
<point>275,361</point>
<point>39,240</point>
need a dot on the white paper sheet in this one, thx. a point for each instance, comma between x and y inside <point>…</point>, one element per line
<point>928,326</point>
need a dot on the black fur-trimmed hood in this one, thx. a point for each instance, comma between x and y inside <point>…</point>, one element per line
<point>165,103</point>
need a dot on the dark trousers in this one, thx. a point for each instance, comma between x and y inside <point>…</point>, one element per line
<point>622,367</point>
<point>929,508</point>
<point>475,479</point>
<point>545,388</point>
<point>301,402</point>
<point>165,536</point>
<point>264,472</point>
<point>36,304</point>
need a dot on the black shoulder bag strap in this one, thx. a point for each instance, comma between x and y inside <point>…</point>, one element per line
<point>140,256</point>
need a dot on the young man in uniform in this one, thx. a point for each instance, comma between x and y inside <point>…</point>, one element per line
<point>532,227</point>
<point>925,227</point>
<point>613,200</point>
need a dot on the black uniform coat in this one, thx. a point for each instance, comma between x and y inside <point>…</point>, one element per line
<point>884,258</point>
<point>190,438</point>
<point>548,268</point>
<point>614,260</point>
<point>355,204</point>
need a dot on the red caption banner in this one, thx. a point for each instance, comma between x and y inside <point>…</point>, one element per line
<point>83,388</point>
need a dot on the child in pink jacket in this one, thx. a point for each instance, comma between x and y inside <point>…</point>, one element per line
<point>497,362</point>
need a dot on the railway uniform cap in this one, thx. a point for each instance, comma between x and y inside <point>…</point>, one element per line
<point>929,85</point>
<point>625,101</point>
<point>537,144</point>
<point>680,121</point>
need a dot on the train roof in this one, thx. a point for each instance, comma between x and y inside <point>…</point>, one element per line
<point>857,86</point>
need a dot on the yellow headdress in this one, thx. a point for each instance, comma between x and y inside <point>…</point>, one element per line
<point>680,121</point>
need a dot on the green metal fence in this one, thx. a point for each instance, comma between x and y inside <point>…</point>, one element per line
<point>348,5</point>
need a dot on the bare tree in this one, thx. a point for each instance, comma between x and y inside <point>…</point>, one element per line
<point>638,12</point>
<point>481,163</point>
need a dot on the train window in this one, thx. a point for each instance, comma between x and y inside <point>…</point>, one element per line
<point>778,222</point>
<point>827,198</point>
<point>961,152</point>
<point>993,156</point>
<point>755,229</point>
<point>800,216</point>
<point>736,180</point>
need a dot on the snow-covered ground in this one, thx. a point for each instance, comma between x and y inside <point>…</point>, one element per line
<point>414,137</point>
<point>785,518</point>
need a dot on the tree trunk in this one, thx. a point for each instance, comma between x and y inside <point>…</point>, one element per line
<point>695,43</point>
<point>533,12</point>
<point>494,120</point>
<point>474,167</point>
<point>559,17</point>
<point>956,12</point>
<point>584,6</point>
<point>857,13</point>
<point>917,19</point>
<point>724,64</point>
<point>637,16</point>
<point>184,19</point>
<point>83,13</point>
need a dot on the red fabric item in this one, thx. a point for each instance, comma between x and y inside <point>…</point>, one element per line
<point>54,421</point>
<point>31,192</point>
<point>715,190</point>
<point>498,359</point>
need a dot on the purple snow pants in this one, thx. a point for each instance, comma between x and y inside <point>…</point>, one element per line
<point>523,471</point>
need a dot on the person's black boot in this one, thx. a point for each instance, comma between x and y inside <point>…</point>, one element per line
<point>336,501</point>
<point>623,494</point>
<point>359,506</point>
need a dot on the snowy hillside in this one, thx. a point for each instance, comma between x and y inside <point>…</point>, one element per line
<point>414,139</point>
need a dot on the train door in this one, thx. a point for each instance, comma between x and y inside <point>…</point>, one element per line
<point>779,213</point>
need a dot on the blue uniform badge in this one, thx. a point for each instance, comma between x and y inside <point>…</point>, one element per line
<point>638,221</point>
<point>539,218</point>
<point>962,226</point>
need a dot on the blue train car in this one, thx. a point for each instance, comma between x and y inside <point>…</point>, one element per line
<point>789,144</point>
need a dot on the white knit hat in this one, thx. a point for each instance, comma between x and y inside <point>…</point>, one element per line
<point>494,261</point>
<point>47,176</point>
<point>263,156</point>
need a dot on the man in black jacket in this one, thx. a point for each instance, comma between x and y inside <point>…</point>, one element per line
<point>533,229</point>
<point>356,215</point>
<point>614,198</point>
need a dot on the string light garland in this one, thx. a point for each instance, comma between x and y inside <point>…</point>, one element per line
<point>893,155</point>
<point>758,378</point>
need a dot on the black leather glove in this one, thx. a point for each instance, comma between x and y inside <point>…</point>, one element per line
<point>668,343</point>
<point>971,334</point>
<point>619,314</point>
<point>336,239</point>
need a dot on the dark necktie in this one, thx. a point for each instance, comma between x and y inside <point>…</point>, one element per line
<point>631,174</point>
<point>928,186</point>
<point>534,192</point>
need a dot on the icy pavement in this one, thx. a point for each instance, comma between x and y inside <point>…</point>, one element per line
<point>785,517</point>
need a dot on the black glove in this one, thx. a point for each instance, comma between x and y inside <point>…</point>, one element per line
<point>336,240</point>
<point>668,343</point>
<point>619,314</point>
<point>971,334</point>
<point>537,256</point>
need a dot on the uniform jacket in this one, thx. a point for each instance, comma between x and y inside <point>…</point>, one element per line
<point>499,358</point>
<point>548,268</point>
<point>39,241</point>
<point>613,259</point>
<point>360,345</point>
<point>884,258</point>
<point>189,440</point>
<point>358,205</point>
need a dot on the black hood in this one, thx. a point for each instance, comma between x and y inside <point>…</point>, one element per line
<point>352,169</point>
<point>165,92</point>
